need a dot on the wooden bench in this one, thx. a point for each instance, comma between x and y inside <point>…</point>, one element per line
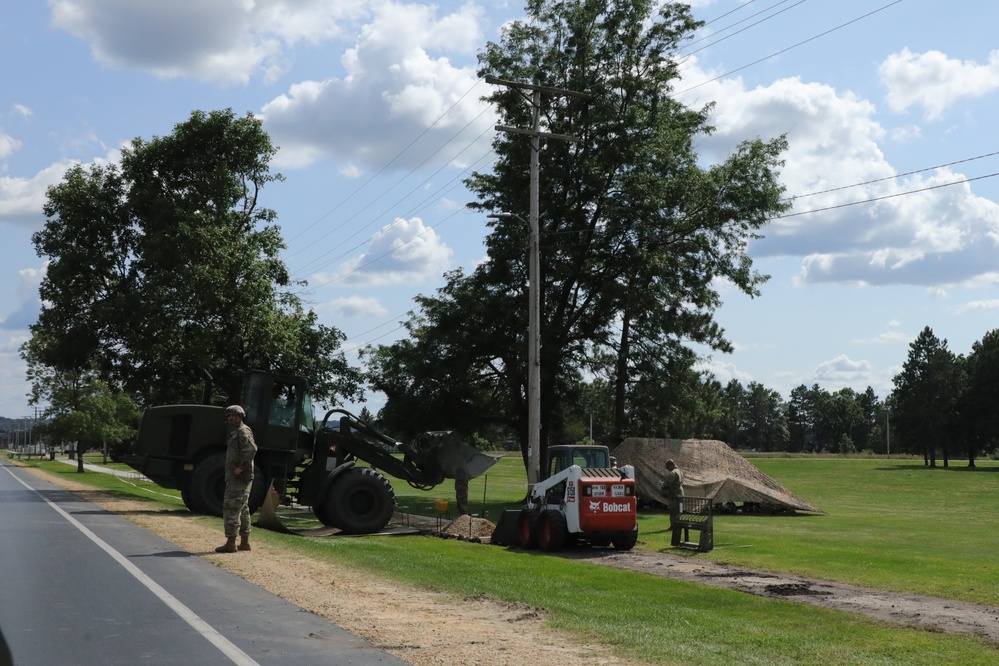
<point>696,514</point>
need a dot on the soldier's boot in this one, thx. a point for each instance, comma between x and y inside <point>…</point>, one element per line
<point>228,547</point>
<point>244,542</point>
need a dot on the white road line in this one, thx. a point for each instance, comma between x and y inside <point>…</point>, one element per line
<point>227,648</point>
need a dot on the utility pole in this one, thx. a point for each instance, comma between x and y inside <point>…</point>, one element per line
<point>534,314</point>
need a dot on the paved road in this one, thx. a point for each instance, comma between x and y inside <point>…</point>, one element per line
<point>80,585</point>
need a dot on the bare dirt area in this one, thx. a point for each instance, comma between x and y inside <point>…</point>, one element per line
<point>429,628</point>
<point>930,613</point>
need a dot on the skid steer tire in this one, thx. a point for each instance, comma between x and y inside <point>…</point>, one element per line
<point>625,540</point>
<point>552,531</point>
<point>206,488</point>
<point>361,501</point>
<point>527,530</point>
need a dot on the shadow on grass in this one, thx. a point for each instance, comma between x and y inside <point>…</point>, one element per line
<point>952,467</point>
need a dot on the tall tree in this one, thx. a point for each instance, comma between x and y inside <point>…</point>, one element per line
<point>165,267</point>
<point>80,407</point>
<point>926,397</point>
<point>635,232</point>
<point>978,413</point>
<point>801,418</point>
<point>766,419</point>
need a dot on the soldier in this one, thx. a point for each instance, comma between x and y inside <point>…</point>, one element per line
<point>461,495</point>
<point>239,451</point>
<point>672,491</point>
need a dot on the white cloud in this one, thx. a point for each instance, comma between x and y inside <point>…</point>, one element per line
<point>842,371</point>
<point>224,40</point>
<point>400,82</point>
<point>404,252</point>
<point>723,372</point>
<point>976,306</point>
<point>946,235</point>
<point>935,81</point>
<point>885,338</point>
<point>355,306</point>
<point>21,199</point>
<point>22,110</point>
<point>8,144</point>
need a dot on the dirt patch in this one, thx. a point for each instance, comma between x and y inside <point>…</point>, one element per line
<point>429,628</point>
<point>930,613</point>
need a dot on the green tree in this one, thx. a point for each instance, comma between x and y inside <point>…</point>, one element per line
<point>166,266</point>
<point>926,397</point>
<point>801,410</point>
<point>635,232</point>
<point>80,408</point>
<point>979,418</point>
<point>765,419</point>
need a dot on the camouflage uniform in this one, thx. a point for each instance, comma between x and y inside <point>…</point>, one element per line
<point>239,451</point>
<point>672,491</point>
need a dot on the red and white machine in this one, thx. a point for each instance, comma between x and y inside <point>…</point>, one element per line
<point>584,498</point>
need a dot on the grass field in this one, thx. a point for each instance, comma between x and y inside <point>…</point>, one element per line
<point>890,524</point>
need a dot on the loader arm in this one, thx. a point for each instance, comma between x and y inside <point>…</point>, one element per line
<point>426,462</point>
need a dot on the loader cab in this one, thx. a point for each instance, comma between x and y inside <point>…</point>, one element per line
<point>278,410</point>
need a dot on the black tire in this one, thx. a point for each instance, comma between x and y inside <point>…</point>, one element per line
<point>206,487</point>
<point>625,540</point>
<point>527,530</point>
<point>361,501</point>
<point>552,531</point>
<point>319,511</point>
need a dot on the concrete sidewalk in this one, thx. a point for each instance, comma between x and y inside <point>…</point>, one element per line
<point>130,474</point>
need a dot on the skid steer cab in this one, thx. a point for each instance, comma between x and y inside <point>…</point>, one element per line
<point>585,497</point>
<point>337,466</point>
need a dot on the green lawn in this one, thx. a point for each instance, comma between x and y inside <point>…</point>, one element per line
<point>890,524</point>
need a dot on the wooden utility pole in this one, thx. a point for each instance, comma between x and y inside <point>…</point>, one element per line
<point>534,318</point>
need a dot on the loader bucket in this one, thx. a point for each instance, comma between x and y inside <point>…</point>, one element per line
<point>459,460</point>
<point>267,517</point>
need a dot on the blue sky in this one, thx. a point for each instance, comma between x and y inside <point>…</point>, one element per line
<point>889,108</point>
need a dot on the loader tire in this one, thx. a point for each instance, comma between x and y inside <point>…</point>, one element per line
<point>552,531</point>
<point>527,530</point>
<point>361,501</point>
<point>206,487</point>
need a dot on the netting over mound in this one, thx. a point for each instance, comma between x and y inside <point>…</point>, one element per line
<point>710,469</point>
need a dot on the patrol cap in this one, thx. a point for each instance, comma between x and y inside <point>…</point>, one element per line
<point>235,409</point>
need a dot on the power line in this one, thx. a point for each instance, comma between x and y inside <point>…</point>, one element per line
<point>391,162</point>
<point>444,189</point>
<point>785,50</point>
<point>752,25</point>
<point>889,196</point>
<point>900,175</point>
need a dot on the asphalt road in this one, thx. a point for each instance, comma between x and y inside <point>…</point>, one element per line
<point>80,585</point>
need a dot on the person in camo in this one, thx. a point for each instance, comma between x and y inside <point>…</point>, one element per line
<point>672,491</point>
<point>239,452</point>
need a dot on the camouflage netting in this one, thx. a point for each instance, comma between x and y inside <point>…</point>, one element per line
<point>710,469</point>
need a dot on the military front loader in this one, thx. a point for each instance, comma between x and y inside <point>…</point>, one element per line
<point>183,447</point>
<point>584,497</point>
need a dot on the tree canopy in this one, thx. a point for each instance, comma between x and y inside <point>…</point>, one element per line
<point>635,233</point>
<point>165,267</point>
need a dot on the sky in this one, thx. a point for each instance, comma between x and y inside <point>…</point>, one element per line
<point>888,106</point>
